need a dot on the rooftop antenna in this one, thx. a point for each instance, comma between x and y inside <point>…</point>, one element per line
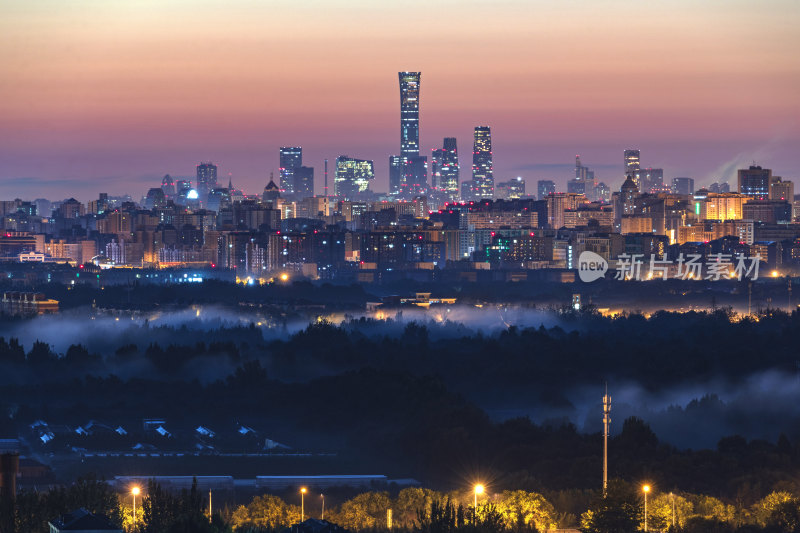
<point>606,425</point>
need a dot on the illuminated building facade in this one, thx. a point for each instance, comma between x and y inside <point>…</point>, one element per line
<point>352,176</point>
<point>291,157</point>
<point>754,182</point>
<point>409,114</point>
<point>206,179</point>
<point>632,159</point>
<point>482,164</point>
<point>545,187</point>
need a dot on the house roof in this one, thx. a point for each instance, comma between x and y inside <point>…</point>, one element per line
<point>83,520</point>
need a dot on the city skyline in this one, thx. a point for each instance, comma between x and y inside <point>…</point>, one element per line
<point>89,105</point>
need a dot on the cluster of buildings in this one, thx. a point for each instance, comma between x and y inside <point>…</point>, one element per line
<point>421,224</point>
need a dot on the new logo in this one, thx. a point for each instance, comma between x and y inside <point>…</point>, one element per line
<point>591,266</point>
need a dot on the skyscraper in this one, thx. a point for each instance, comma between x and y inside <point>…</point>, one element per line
<point>291,157</point>
<point>206,179</point>
<point>352,177</point>
<point>632,159</point>
<point>408,173</point>
<point>683,185</point>
<point>395,174</point>
<point>409,114</point>
<point>482,166</point>
<point>755,181</point>
<point>449,172</point>
<point>437,154</point>
<point>545,187</point>
<point>303,179</point>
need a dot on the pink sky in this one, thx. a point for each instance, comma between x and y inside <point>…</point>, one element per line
<point>111,95</point>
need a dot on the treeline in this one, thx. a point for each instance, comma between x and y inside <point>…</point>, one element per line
<point>620,509</point>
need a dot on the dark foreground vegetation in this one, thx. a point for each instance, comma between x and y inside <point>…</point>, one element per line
<point>412,510</point>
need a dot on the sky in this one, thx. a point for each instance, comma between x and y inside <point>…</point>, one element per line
<point>111,95</point>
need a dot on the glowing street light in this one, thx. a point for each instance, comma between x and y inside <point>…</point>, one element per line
<point>284,277</point>
<point>323,506</point>
<point>479,489</point>
<point>135,491</point>
<point>645,489</point>
<point>302,503</point>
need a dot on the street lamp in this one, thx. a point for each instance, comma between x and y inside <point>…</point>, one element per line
<point>478,490</point>
<point>645,489</point>
<point>135,491</point>
<point>323,506</point>
<point>302,503</point>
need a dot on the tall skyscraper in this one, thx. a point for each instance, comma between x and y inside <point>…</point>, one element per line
<point>352,177</point>
<point>683,185</point>
<point>632,160</point>
<point>754,182</point>
<point>482,165</point>
<point>291,157</point>
<point>408,172</point>
<point>303,180</point>
<point>545,187</point>
<point>395,174</point>
<point>437,154</point>
<point>409,114</point>
<point>449,172</point>
<point>168,186</point>
<point>206,179</point>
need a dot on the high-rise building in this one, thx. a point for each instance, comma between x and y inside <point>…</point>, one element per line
<point>649,180</point>
<point>437,154</point>
<point>291,157</point>
<point>303,178</point>
<point>409,114</point>
<point>395,174</point>
<point>444,168</point>
<point>583,183</point>
<point>545,187</point>
<point>482,165</point>
<point>352,176</point>
<point>168,186</point>
<point>632,160</point>
<point>683,185</point>
<point>754,182</point>
<point>206,179</point>
<point>512,189</point>
<point>780,189</point>
<point>415,178</point>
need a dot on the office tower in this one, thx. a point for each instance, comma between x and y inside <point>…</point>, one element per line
<point>303,179</point>
<point>395,174</point>
<point>632,160</point>
<point>649,180</point>
<point>352,176</point>
<point>206,179</point>
<point>449,172</point>
<point>291,157</point>
<point>168,186</point>
<point>155,198</point>
<point>408,174</point>
<point>482,166</point>
<point>683,185</point>
<point>755,181</point>
<point>545,187</point>
<point>602,193</point>
<point>468,192</point>
<point>409,114</point>
<point>780,190</point>
<point>415,175</point>
<point>437,154</point>
<point>512,189</point>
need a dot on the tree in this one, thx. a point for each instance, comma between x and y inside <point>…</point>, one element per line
<point>365,511</point>
<point>619,511</point>
<point>409,502</point>
<point>765,507</point>
<point>526,510</point>
<point>267,512</point>
<point>659,512</point>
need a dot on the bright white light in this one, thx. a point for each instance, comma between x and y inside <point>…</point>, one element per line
<point>192,195</point>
